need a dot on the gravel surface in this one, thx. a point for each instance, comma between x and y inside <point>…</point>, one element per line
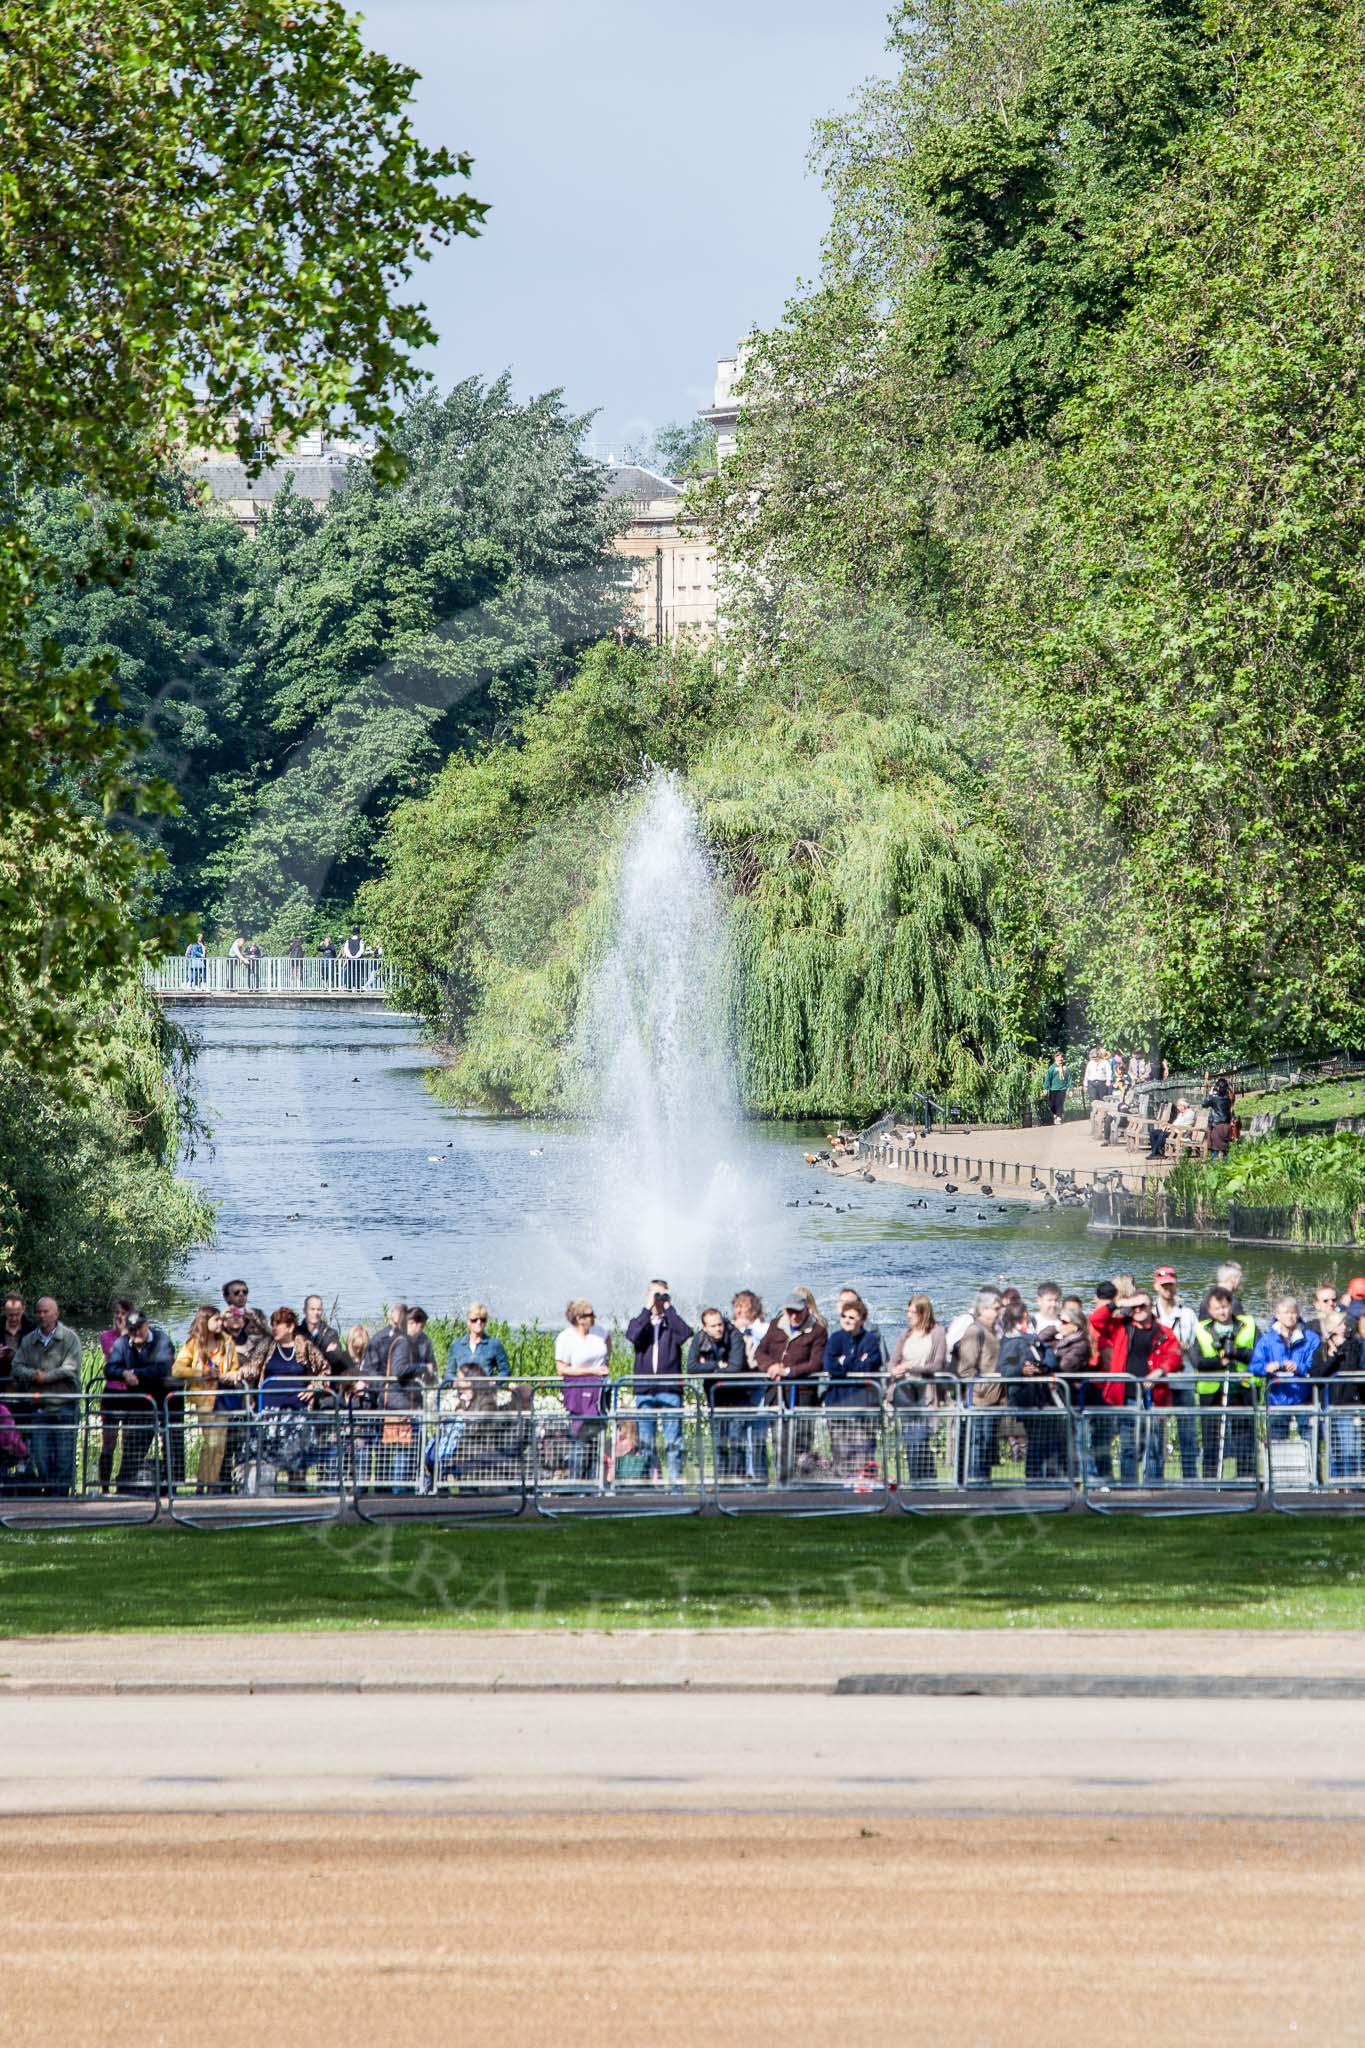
<point>679,1933</point>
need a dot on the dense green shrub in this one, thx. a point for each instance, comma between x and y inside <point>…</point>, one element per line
<point>90,1205</point>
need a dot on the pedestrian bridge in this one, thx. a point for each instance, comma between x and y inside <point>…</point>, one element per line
<point>275,978</point>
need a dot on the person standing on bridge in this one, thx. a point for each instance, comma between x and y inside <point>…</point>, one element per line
<point>196,956</point>
<point>352,953</point>
<point>236,957</point>
<point>327,953</point>
<point>253,964</point>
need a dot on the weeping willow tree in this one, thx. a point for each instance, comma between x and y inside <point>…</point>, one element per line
<point>90,1203</point>
<point>868,915</point>
<point>885,937</point>
<point>529,941</point>
<point>486,902</point>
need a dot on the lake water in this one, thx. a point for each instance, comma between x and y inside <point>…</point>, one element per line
<point>338,1173</point>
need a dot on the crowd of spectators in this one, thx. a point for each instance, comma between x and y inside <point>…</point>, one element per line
<point>1144,1370</point>
<point>282,1370</point>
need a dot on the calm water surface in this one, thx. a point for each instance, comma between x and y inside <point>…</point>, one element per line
<point>338,1173</point>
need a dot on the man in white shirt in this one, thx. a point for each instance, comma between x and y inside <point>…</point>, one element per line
<point>1096,1076</point>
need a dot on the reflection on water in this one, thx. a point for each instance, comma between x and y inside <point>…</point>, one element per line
<point>337,1173</point>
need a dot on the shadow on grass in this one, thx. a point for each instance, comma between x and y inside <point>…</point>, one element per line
<point>1069,1571</point>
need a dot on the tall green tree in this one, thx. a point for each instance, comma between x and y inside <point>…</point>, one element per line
<point>405,624</point>
<point>206,209</point>
<point>1195,615</point>
<point>172,636</point>
<point>1076,385</point>
<point>973,252</point>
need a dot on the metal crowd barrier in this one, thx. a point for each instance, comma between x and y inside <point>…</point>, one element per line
<point>461,1456</point>
<point>250,1461</point>
<point>1195,1443</point>
<point>1000,1444</point>
<point>1166,1448</point>
<point>624,1454</point>
<point>1315,1447</point>
<point>91,1461</point>
<point>789,1454</point>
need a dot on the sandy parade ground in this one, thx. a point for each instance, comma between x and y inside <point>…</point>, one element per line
<point>683,1839</point>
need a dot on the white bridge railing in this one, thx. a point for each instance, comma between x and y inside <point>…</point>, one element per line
<point>275,974</point>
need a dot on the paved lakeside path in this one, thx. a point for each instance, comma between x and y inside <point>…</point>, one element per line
<point>1005,1158</point>
<point>735,1660</point>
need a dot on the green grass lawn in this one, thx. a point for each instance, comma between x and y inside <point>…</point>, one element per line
<point>1077,1571</point>
<point>1314,1106</point>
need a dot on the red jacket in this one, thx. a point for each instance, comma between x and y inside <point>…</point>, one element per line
<point>1164,1357</point>
<point>1103,1326</point>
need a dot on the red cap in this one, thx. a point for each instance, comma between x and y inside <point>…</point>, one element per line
<point>1164,1273</point>
<point>1356,1290</point>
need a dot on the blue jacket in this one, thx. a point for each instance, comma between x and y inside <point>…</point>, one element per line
<point>673,1336</point>
<point>1272,1351</point>
<point>488,1354</point>
<point>853,1358</point>
<point>151,1360</point>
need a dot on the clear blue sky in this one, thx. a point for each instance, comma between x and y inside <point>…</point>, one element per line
<point>646,167</point>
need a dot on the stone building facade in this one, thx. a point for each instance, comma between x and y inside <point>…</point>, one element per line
<point>673,587</point>
<point>673,590</point>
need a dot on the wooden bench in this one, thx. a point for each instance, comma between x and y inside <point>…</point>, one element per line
<point>1138,1135</point>
<point>1193,1141</point>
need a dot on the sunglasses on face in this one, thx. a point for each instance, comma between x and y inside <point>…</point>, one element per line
<point>477,1319</point>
